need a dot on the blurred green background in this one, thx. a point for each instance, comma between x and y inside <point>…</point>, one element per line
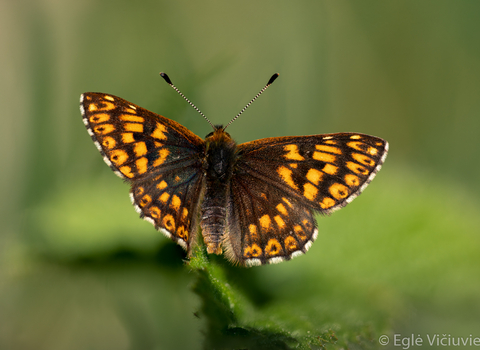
<point>79,270</point>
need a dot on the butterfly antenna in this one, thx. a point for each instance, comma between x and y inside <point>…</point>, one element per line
<point>270,82</point>
<point>169,82</point>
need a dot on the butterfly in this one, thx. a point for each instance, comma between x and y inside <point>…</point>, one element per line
<point>255,202</point>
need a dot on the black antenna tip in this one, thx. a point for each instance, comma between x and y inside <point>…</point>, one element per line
<point>272,79</point>
<point>167,79</point>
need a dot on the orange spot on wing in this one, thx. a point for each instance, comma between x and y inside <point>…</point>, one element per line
<point>279,221</point>
<point>273,247</point>
<point>329,149</point>
<point>252,251</point>
<point>140,149</point>
<point>176,202</point>
<point>99,118</point>
<point>331,142</point>
<point>127,137</point>
<point>142,165</point>
<point>253,232</point>
<point>182,233</point>
<point>145,200</point>
<point>133,127</point>
<point>357,168</point>
<point>352,180</point>
<point>162,156</point>
<point>155,212</point>
<point>360,146</point>
<point>290,243</point>
<point>265,222</point>
<point>118,157</point>
<point>104,129</point>
<point>338,191</point>
<point>169,223</point>
<point>164,197</point>
<point>159,132</point>
<point>131,118</point>
<point>101,106</point>
<point>330,169</point>
<point>314,176</point>
<point>109,142</point>
<point>324,157</point>
<point>309,191</point>
<point>161,185</point>
<point>139,191</point>
<point>127,171</point>
<point>363,159</point>
<point>327,202</point>
<point>281,208</point>
<point>300,232</point>
<point>286,175</point>
<point>293,153</point>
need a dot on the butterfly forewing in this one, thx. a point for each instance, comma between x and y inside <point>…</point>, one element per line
<point>159,157</point>
<point>278,182</point>
<point>324,172</point>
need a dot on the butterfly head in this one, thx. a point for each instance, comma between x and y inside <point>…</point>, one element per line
<point>218,136</point>
<point>216,128</point>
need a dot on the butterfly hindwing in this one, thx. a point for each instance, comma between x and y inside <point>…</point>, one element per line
<point>266,224</point>
<point>160,158</point>
<point>170,202</point>
<point>279,182</point>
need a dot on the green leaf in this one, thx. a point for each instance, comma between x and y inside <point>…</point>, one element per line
<point>233,321</point>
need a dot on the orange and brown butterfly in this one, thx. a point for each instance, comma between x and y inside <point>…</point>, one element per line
<point>255,201</point>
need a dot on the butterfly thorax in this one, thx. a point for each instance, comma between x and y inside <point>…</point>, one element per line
<point>218,168</point>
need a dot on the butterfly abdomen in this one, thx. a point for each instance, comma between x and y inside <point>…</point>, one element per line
<point>218,167</point>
